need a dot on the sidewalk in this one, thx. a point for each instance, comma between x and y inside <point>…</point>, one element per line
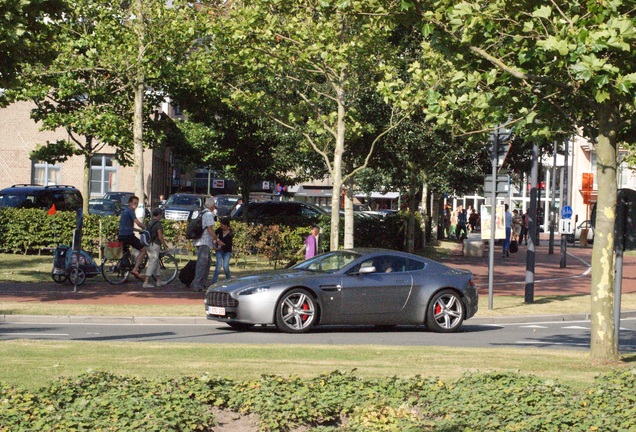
<point>509,278</point>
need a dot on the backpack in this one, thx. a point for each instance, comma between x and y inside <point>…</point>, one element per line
<point>147,237</point>
<point>195,227</point>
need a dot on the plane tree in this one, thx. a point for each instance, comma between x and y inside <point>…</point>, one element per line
<point>555,67</point>
<point>25,36</point>
<point>302,64</point>
<point>107,79</point>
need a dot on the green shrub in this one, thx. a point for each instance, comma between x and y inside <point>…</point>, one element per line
<point>33,231</point>
<point>337,401</point>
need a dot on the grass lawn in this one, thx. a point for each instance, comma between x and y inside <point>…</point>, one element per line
<point>33,363</point>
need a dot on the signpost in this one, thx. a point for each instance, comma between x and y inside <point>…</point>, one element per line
<point>566,212</point>
<point>566,225</point>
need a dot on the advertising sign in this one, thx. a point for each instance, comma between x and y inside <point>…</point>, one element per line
<point>500,227</point>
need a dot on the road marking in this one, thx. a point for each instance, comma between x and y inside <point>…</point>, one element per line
<point>533,326</point>
<point>576,327</point>
<point>551,343</point>
<point>34,334</point>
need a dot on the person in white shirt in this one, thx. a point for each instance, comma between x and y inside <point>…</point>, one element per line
<point>204,245</point>
<point>506,243</point>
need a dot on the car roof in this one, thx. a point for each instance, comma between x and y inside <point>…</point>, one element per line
<point>33,187</point>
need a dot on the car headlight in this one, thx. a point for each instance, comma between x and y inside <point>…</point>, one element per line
<point>253,290</point>
<point>195,214</point>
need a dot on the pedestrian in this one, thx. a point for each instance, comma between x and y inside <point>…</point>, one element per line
<point>508,221</point>
<point>517,225</point>
<point>447,220</point>
<point>311,242</point>
<point>462,232</point>
<point>204,245</point>
<point>524,228</point>
<point>224,238</point>
<point>453,223</point>
<point>472,220</point>
<point>127,222</point>
<point>154,249</point>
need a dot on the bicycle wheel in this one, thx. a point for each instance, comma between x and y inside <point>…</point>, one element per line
<point>168,268</point>
<point>116,271</point>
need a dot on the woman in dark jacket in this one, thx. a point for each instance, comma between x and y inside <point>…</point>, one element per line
<point>223,249</point>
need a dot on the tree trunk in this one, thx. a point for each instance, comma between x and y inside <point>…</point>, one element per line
<point>424,210</point>
<point>414,187</point>
<point>86,187</point>
<point>336,174</point>
<point>138,125</point>
<point>603,343</point>
<point>349,222</point>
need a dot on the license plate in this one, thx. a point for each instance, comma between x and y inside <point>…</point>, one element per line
<point>216,310</point>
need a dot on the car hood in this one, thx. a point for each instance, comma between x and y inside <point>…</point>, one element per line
<point>262,279</point>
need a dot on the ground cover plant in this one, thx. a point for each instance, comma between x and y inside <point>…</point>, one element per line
<point>335,401</point>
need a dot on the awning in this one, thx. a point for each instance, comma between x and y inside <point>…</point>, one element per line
<point>379,195</point>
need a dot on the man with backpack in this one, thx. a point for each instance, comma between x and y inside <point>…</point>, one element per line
<point>204,245</point>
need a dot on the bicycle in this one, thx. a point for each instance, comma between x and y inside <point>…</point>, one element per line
<point>116,271</point>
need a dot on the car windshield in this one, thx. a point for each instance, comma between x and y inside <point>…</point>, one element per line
<point>101,206</point>
<point>226,201</point>
<point>183,200</point>
<point>330,262</point>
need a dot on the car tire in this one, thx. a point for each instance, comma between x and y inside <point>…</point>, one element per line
<point>296,311</point>
<point>239,326</point>
<point>445,312</point>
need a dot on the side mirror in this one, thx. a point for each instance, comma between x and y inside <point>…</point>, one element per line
<point>366,270</point>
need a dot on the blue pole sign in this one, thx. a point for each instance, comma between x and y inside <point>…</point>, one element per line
<point>566,212</point>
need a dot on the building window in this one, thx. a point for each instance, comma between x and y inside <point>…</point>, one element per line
<point>46,174</point>
<point>103,174</point>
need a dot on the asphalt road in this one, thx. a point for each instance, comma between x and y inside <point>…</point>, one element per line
<point>562,335</point>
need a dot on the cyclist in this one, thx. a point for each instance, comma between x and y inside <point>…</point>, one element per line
<point>127,224</point>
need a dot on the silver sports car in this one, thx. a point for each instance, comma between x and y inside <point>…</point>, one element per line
<point>348,287</point>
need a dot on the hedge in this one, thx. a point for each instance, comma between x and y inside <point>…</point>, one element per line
<point>33,231</point>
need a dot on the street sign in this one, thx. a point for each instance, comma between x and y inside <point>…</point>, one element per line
<point>503,185</point>
<point>566,226</point>
<point>566,212</point>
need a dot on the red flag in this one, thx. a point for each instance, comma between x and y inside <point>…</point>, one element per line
<point>52,210</point>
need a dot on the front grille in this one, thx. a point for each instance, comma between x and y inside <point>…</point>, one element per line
<point>177,215</point>
<point>220,299</point>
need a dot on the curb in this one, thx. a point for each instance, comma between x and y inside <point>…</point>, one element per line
<point>140,320</point>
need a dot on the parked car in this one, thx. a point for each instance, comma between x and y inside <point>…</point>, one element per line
<point>183,206</point>
<point>571,238</point>
<point>104,207</point>
<point>225,203</point>
<point>65,198</point>
<point>122,197</point>
<point>348,287</point>
<point>290,212</point>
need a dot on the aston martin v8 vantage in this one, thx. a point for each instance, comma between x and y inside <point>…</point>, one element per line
<point>348,287</point>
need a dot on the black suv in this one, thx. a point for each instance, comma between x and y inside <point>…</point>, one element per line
<point>183,206</point>
<point>293,213</point>
<point>42,197</point>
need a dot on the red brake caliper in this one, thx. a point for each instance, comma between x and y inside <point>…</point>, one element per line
<point>438,309</point>
<point>305,307</point>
